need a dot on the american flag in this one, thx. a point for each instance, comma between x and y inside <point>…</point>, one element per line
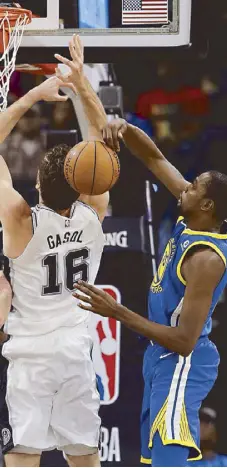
<point>144,12</point>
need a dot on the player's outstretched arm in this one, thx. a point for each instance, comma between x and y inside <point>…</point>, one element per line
<point>92,105</point>
<point>13,208</point>
<point>47,91</point>
<point>93,108</point>
<point>196,305</point>
<point>146,150</point>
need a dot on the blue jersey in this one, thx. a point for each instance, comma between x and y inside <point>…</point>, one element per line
<point>168,286</point>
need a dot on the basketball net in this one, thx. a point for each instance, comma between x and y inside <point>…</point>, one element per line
<point>11,34</point>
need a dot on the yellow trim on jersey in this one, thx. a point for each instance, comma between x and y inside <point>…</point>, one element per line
<point>186,439</point>
<point>179,219</point>
<point>202,242</point>
<point>146,461</point>
<point>203,233</point>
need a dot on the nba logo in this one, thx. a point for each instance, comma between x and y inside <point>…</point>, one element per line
<point>105,333</point>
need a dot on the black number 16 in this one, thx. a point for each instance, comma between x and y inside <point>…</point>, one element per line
<point>73,270</point>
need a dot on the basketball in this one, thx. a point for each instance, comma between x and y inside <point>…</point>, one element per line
<point>91,168</point>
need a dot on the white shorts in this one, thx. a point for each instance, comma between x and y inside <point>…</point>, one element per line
<point>51,394</point>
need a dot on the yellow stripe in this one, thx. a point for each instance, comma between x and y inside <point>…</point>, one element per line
<point>179,219</point>
<point>209,244</point>
<point>196,458</point>
<point>158,420</point>
<point>203,233</point>
<point>146,461</point>
<point>186,439</point>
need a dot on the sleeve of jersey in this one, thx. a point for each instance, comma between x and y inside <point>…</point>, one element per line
<point>189,242</point>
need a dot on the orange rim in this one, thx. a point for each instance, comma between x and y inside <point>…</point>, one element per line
<point>38,68</point>
<point>14,13</point>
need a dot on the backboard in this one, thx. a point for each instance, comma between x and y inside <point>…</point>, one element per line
<point>109,23</point>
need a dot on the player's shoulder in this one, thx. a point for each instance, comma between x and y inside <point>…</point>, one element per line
<point>196,235</point>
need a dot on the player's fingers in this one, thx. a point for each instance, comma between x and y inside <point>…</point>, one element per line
<point>73,51</point>
<point>84,289</point>
<point>122,132</point>
<point>81,48</point>
<point>63,78</point>
<point>61,98</point>
<point>60,75</point>
<point>123,128</point>
<point>115,138</point>
<point>70,86</point>
<point>82,298</point>
<point>104,134</point>
<point>109,137</point>
<point>91,288</point>
<point>89,308</point>
<point>78,45</point>
<point>63,60</point>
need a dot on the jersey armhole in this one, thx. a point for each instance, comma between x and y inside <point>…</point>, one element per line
<point>195,244</point>
<point>89,208</point>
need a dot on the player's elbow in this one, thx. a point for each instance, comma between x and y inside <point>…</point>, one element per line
<point>186,343</point>
<point>187,346</point>
<point>186,351</point>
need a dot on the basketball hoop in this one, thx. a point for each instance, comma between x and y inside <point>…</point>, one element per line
<point>42,69</point>
<point>12,24</point>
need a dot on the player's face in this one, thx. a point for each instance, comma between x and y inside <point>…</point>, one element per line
<point>193,198</point>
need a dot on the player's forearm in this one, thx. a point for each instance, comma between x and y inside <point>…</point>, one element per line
<point>141,145</point>
<point>92,105</point>
<point>5,176</point>
<point>146,150</point>
<point>171,338</point>
<point>10,117</point>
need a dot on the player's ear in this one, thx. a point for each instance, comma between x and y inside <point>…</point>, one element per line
<point>37,186</point>
<point>207,205</point>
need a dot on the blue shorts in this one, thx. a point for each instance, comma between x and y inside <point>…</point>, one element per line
<point>174,390</point>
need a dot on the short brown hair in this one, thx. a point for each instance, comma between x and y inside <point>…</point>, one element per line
<point>55,191</point>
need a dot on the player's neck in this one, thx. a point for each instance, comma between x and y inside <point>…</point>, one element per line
<point>65,213</point>
<point>202,224</point>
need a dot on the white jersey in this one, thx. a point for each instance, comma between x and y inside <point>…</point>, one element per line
<point>61,251</point>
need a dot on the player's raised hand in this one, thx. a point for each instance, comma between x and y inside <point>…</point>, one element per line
<point>98,302</point>
<point>76,64</point>
<point>49,90</point>
<point>113,132</point>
